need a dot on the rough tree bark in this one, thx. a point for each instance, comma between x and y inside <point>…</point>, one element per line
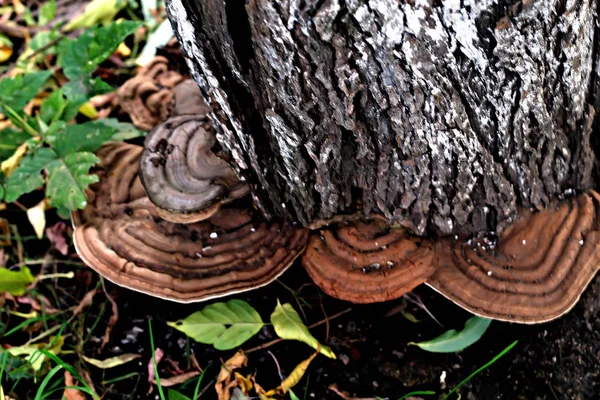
<point>443,115</point>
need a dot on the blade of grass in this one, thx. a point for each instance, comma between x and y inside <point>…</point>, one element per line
<point>40,392</point>
<point>120,378</point>
<point>160,389</point>
<point>197,390</point>
<point>418,393</point>
<point>493,360</point>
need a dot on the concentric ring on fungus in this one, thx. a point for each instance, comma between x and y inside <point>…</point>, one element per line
<point>122,237</point>
<point>367,262</point>
<point>537,271</point>
<point>185,180</point>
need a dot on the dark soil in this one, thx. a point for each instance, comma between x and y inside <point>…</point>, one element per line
<point>556,360</point>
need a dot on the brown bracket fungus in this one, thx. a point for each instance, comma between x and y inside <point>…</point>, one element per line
<point>122,237</point>
<point>366,262</point>
<point>183,177</point>
<point>537,270</point>
<point>147,97</point>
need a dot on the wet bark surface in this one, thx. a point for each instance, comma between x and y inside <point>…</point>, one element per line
<point>444,116</point>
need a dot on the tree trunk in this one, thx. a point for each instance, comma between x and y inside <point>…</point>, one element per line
<point>442,115</point>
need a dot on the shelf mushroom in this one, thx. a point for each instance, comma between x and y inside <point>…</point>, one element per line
<point>535,273</point>
<point>121,236</point>
<point>367,261</point>
<point>184,178</point>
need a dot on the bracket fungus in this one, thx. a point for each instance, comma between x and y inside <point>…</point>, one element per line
<point>184,178</point>
<point>147,97</point>
<point>367,261</point>
<point>536,272</point>
<point>123,238</point>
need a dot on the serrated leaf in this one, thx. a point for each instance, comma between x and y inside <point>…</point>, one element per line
<point>89,136</point>
<point>123,130</point>
<point>289,326</point>
<point>68,178</point>
<point>28,175</point>
<point>80,57</point>
<point>224,325</point>
<point>112,361</point>
<point>10,140</point>
<point>57,107</point>
<point>15,282</point>
<point>16,92</point>
<point>47,12</point>
<point>453,341</point>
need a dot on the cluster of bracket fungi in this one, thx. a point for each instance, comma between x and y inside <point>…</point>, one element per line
<point>172,219</point>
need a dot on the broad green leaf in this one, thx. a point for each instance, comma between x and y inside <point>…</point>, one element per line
<point>288,325</point>
<point>15,282</point>
<point>47,12</point>
<point>224,325</point>
<point>123,130</point>
<point>68,178</point>
<point>175,395</point>
<point>88,136</point>
<point>96,11</point>
<point>453,341</point>
<point>112,361</point>
<point>10,140</point>
<point>56,107</point>
<point>80,57</point>
<point>16,92</point>
<point>28,175</point>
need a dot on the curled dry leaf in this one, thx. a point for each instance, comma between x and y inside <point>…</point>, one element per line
<point>112,361</point>
<point>85,302</point>
<point>57,234</point>
<point>158,355</point>
<point>70,393</point>
<point>294,377</point>
<point>111,322</point>
<point>225,382</point>
<point>177,379</point>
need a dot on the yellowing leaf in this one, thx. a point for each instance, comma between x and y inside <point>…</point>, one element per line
<point>224,380</point>
<point>103,11</point>
<point>124,50</point>
<point>224,325</point>
<point>113,361</point>
<point>15,282</point>
<point>288,325</point>
<point>88,110</point>
<point>294,377</point>
<point>9,165</point>
<point>5,53</point>
<point>34,356</point>
<point>37,218</point>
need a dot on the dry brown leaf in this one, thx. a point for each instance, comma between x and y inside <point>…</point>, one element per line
<point>36,305</point>
<point>37,218</point>
<point>71,394</point>
<point>224,381</point>
<point>294,377</point>
<point>345,395</point>
<point>4,233</point>
<point>111,322</point>
<point>57,234</point>
<point>177,379</point>
<point>85,302</point>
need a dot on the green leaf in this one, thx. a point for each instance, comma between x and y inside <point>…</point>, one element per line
<point>80,57</point>
<point>453,341</point>
<point>123,130</point>
<point>28,175</point>
<point>88,136</point>
<point>175,395</point>
<point>16,92</point>
<point>56,107</point>
<point>289,326</point>
<point>68,178</point>
<point>10,140</point>
<point>47,12</point>
<point>15,282</point>
<point>224,325</point>
<point>112,361</point>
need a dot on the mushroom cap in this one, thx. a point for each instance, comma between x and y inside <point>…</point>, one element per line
<point>537,271</point>
<point>185,180</point>
<point>367,261</point>
<point>122,237</point>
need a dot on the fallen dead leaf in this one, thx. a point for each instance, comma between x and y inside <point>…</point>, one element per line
<point>85,302</point>
<point>111,322</point>
<point>292,378</point>
<point>71,394</point>
<point>112,361</point>
<point>158,354</point>
<point>10,164</point>
<point>57,234</point>
<point>177,379</point>
<point>224,381</point>
<point>37,217</point>
<point>4,234</point>
<point>36,305</point>
<point>345,395</point>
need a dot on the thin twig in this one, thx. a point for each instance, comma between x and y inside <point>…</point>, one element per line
<point>326,321</point>
<point>274,341</point>
<point>277,364</point>
<point>415,299</point>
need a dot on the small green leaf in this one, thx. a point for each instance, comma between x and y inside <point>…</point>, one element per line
<point>288,325</point>
<point>16,92</point>
<point>10,140</point>
<point>47,12</point>
<point>123,130</point>
<point>15,282</point>
<point>112,361</point>
<point>224,325</point>
<point>28,175</point>
<point>80,57</point>
<point>293,395</point>
<point>57,107</point>
<point>175,395</point>
<point>453,341</point>
<point>89,136</point>
<point>68,178</point>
